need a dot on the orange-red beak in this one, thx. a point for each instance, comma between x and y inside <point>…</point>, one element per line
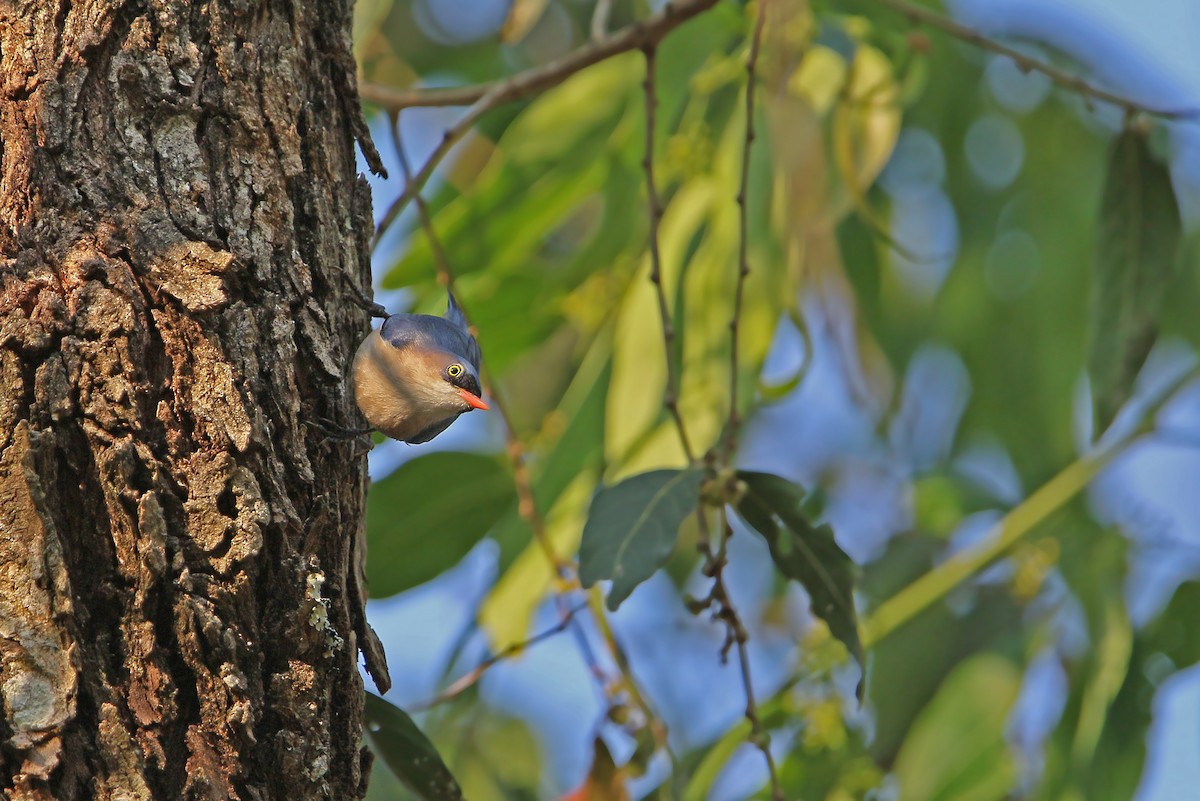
<point>472,401</point>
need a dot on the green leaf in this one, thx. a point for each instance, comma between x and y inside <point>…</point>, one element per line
<point>408,752</point>
<point>804,553</point>
<point>714,761</point>
<point>426,516</point>
<point>639,374</point>
<point>631,528</point>
<point>956,751</point>
<point>1135,264</point>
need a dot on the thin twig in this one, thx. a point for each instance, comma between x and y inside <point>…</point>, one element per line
<point>731,426</point>
<point>472,678</point>
<point>635,36</point>
<point>600,15</point>
<point>924,16</point>
<point>654,723</point>
<point>486,97</point>
<point>671,398</point>
<point>736,635</point>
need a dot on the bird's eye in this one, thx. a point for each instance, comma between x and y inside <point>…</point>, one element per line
<point>454,370</point>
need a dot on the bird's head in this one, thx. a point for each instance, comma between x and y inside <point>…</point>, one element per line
<point>449,381</point>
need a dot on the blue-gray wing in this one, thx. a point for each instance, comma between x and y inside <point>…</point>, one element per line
<point>432,431</point>
<point>427,331</point>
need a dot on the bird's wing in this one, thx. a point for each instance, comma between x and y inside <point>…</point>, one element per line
<point>432,431</point>
<point>427,331</point>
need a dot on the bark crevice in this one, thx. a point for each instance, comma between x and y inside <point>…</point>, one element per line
<point>180,595</point>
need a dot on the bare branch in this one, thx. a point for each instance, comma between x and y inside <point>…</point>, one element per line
<point>736,636</point>
<point>924,16</point>
<point>472,678</point>
<point>731,427</point>
<point>638,35</point>
<point>646,33</point>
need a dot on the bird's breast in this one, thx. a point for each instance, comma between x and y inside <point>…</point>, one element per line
<point>389,393</point>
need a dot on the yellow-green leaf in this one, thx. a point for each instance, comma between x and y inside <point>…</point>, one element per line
<point>522,16</point>
<point>956,749</point>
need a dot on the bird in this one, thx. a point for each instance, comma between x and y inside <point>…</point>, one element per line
<point>415,374</point>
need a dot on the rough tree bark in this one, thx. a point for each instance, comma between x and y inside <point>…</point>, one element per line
<point>181,219</point>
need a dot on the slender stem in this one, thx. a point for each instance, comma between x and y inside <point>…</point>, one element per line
<point>671,398</point>
<point>1014,527</point>
<point>600,14</point>
<point>924,16</point>
<point>658,729</point>
<point>472,678</point>
<point>731,427</point>
<point>736,635</point>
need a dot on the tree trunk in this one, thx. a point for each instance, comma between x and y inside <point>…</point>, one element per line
<point>181,226</point>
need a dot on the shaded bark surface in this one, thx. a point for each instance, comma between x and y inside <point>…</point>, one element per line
<point>180,220</point>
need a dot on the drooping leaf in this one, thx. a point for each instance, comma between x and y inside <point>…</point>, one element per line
<point>866,122</point>
<point>426,516</point>
<point>632,526</point>
<point>956,751</point>
<point>408,752</point>
<point>805,553</point>
<point>1135,264</point>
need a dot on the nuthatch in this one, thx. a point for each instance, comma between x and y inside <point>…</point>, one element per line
<point>417,373</point>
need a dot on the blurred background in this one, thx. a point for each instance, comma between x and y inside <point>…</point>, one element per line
<point>930,243</point>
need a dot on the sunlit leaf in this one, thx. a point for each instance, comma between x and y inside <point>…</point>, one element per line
<point>426,516</point>
<point>552,158</point>
<point>522,16</point>
<point>1135,264</point>
<point>957,751</point>
<point>408,752</point>
<point>631,528</point>
<point>635,394</point>
<point>368,15</point>
<point>820,78</point>
<point>866,122</point>
<point>804,553</point>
